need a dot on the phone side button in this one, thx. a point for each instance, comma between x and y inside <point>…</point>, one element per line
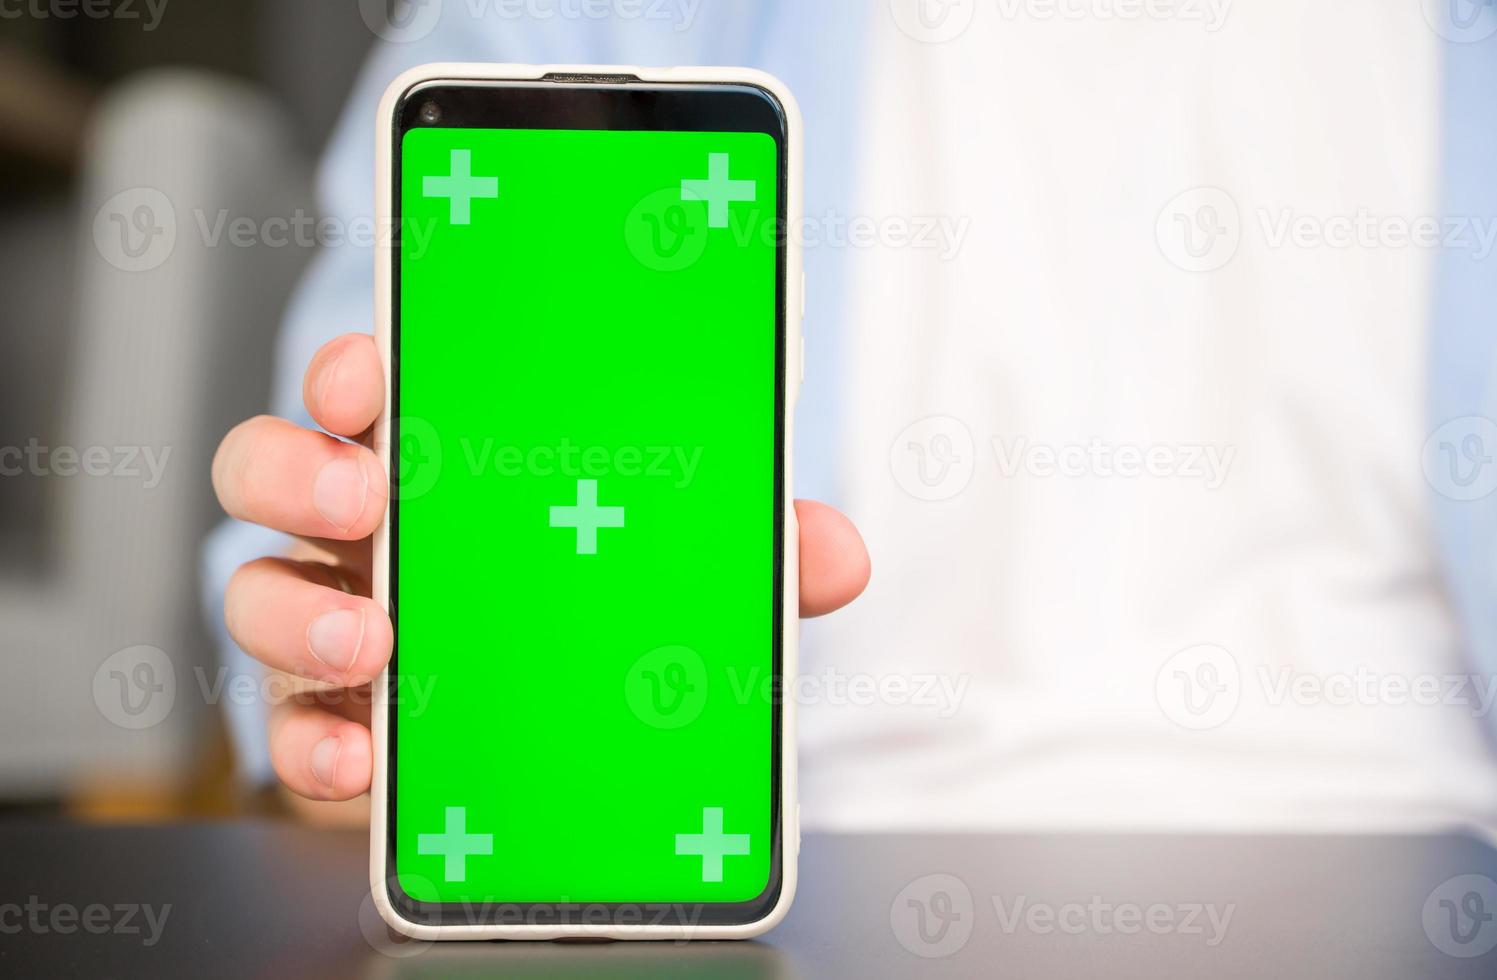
<point>801,359</point>
<point>797,828</point>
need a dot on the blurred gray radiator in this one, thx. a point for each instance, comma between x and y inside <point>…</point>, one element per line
<point>170,343</point>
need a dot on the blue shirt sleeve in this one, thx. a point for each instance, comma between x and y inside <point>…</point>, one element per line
<point>1460,458</point>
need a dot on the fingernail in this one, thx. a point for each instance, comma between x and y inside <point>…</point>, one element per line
<point>340,491</point>
<point>334,637</point>
<point>325,759</point>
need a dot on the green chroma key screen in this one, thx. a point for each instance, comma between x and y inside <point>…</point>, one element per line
<point>585,541</point>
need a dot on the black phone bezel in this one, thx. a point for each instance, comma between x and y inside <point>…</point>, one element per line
<point>606,102</point>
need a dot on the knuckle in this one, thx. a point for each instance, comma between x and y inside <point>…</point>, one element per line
<point>236,593</point>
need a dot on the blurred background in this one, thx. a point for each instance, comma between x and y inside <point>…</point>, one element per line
<point>1149,344</point>
<point>131,380</point>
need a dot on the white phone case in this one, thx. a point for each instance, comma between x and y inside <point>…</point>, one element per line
<point>794,302</point>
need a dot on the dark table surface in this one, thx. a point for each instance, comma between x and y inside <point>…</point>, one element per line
<point>280,901</point>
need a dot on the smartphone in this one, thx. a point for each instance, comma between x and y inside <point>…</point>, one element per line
<point>589,314</point>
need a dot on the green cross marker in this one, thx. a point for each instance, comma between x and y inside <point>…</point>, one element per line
<point>587,517</point>
<point>455,845</point>
<point>717,190</point>
<point>460,187</point>
<point>712,844</point>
